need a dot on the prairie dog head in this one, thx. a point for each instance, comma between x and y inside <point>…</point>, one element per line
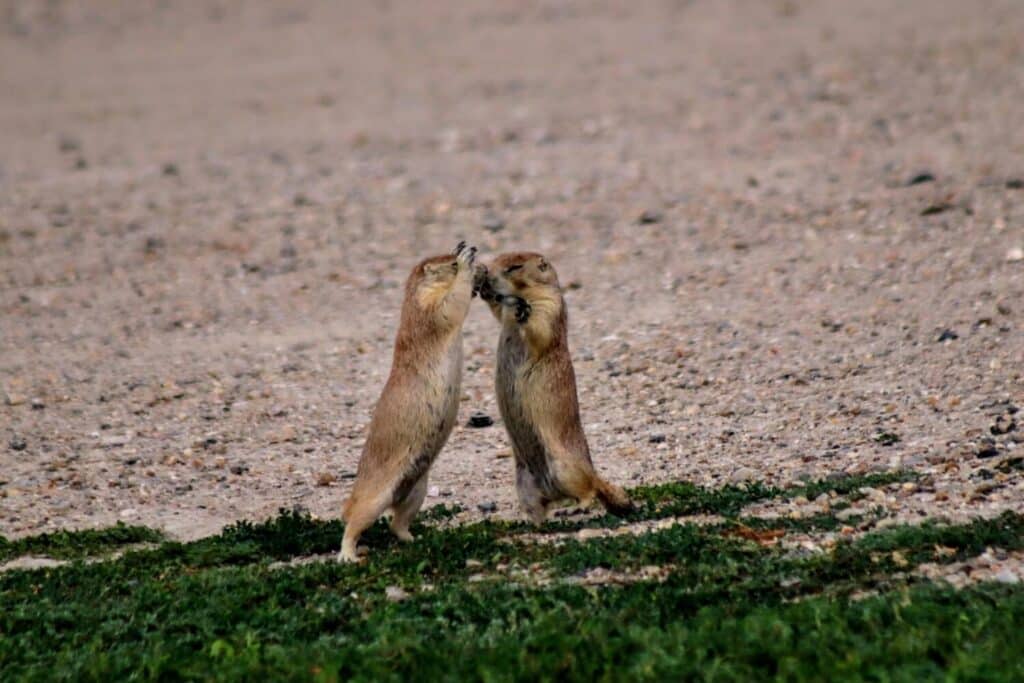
<point>524,274</point>
<point>435,278</point>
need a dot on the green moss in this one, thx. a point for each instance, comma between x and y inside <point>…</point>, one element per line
<point>69,545</point>
<point>728,608</point>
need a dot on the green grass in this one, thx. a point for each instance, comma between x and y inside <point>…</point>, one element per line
<point>71,545</point>
<point>729,610</point>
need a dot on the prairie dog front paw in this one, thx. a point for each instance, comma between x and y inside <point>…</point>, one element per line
<point>482,284</point>
<point>465,255</point>
<point>519,306</point>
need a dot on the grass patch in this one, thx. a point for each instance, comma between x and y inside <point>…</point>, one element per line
<point>73,545</point>
<point>729,609</point>
<point>679,499</point>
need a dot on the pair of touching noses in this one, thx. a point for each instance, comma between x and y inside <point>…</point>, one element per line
<point>534,381</point>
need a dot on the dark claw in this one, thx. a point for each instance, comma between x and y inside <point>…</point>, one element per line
<point>523,309</point>
<point>459,247</point>
<point>482,284</point>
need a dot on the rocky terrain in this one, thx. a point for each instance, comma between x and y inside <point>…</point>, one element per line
<point>791,235</point>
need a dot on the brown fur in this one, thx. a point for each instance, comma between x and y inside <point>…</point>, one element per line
<point>418,407</point>
<point>536,387</point>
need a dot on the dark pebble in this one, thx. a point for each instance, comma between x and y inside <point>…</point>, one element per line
<point>239,469</point>
<point>479,419</point>
<point>947,335</point>
<point>17,444</point>
<point>67,143</point>
<point>988,449</point>
<point>934,209</point>
<point>153,245</point>
<point>887,438</point>
<point>487,507</point>
<point>169,169</point>
<point>656,438</point>
<point>1004,424</point>
<point>493,223</point>
<point>37,404</point>
<point>923,177</point>
<point>648,216</point>
<point>1015,184</point>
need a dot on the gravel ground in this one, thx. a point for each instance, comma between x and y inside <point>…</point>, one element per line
<point>791,234</point>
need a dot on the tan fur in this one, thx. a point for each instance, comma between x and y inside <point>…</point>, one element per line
<point>418,407</point>
<point>536,387</point>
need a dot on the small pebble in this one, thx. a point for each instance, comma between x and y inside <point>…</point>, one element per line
<point>18,444</point>
<point>395,594</point>
<point>1007,575</point>
<point>922,177</point>
<point>1004,424</point>
<point>988,450</point>
<point>488,507</point>
<point>67,143</point>
<point>493,223</point>
<point>648,216</point>
<point>479,419</point>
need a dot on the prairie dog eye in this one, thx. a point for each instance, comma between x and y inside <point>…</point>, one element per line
<point>455,266</point>
<point>512,269</point>
<point>542,266</point>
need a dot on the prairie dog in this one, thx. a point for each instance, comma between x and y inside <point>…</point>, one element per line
<point>418,407</point>
<point>536,387</point>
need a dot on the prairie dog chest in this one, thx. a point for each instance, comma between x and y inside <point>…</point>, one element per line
<point>444,375</point>
<point>511,363</point>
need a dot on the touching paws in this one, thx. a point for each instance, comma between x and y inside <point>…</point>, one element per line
<point>466,255</point>
<point>520,306</point>
<point>482,284</point>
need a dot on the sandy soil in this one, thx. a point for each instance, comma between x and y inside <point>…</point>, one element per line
<point>207,210</point>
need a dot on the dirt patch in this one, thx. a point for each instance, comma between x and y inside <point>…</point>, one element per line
<point>789,233</point>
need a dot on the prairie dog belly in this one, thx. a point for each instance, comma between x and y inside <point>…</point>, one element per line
<point>441,383</point>
<point>527,448</point>
<point>450,378</point>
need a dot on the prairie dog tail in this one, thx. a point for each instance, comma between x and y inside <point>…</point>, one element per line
<point>612,497</point>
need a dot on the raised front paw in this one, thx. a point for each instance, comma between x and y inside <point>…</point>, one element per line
<point>466,255</point>
<point>520,307</point>
<point>482,283</point>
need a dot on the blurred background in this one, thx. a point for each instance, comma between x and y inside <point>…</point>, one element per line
<point>787,228</point>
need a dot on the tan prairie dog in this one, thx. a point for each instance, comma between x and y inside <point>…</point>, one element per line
<point>418,407</point>
<point>536,387</point>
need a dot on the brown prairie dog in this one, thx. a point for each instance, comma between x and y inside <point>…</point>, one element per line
<point>536,387</point>
<point>419,404</point>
